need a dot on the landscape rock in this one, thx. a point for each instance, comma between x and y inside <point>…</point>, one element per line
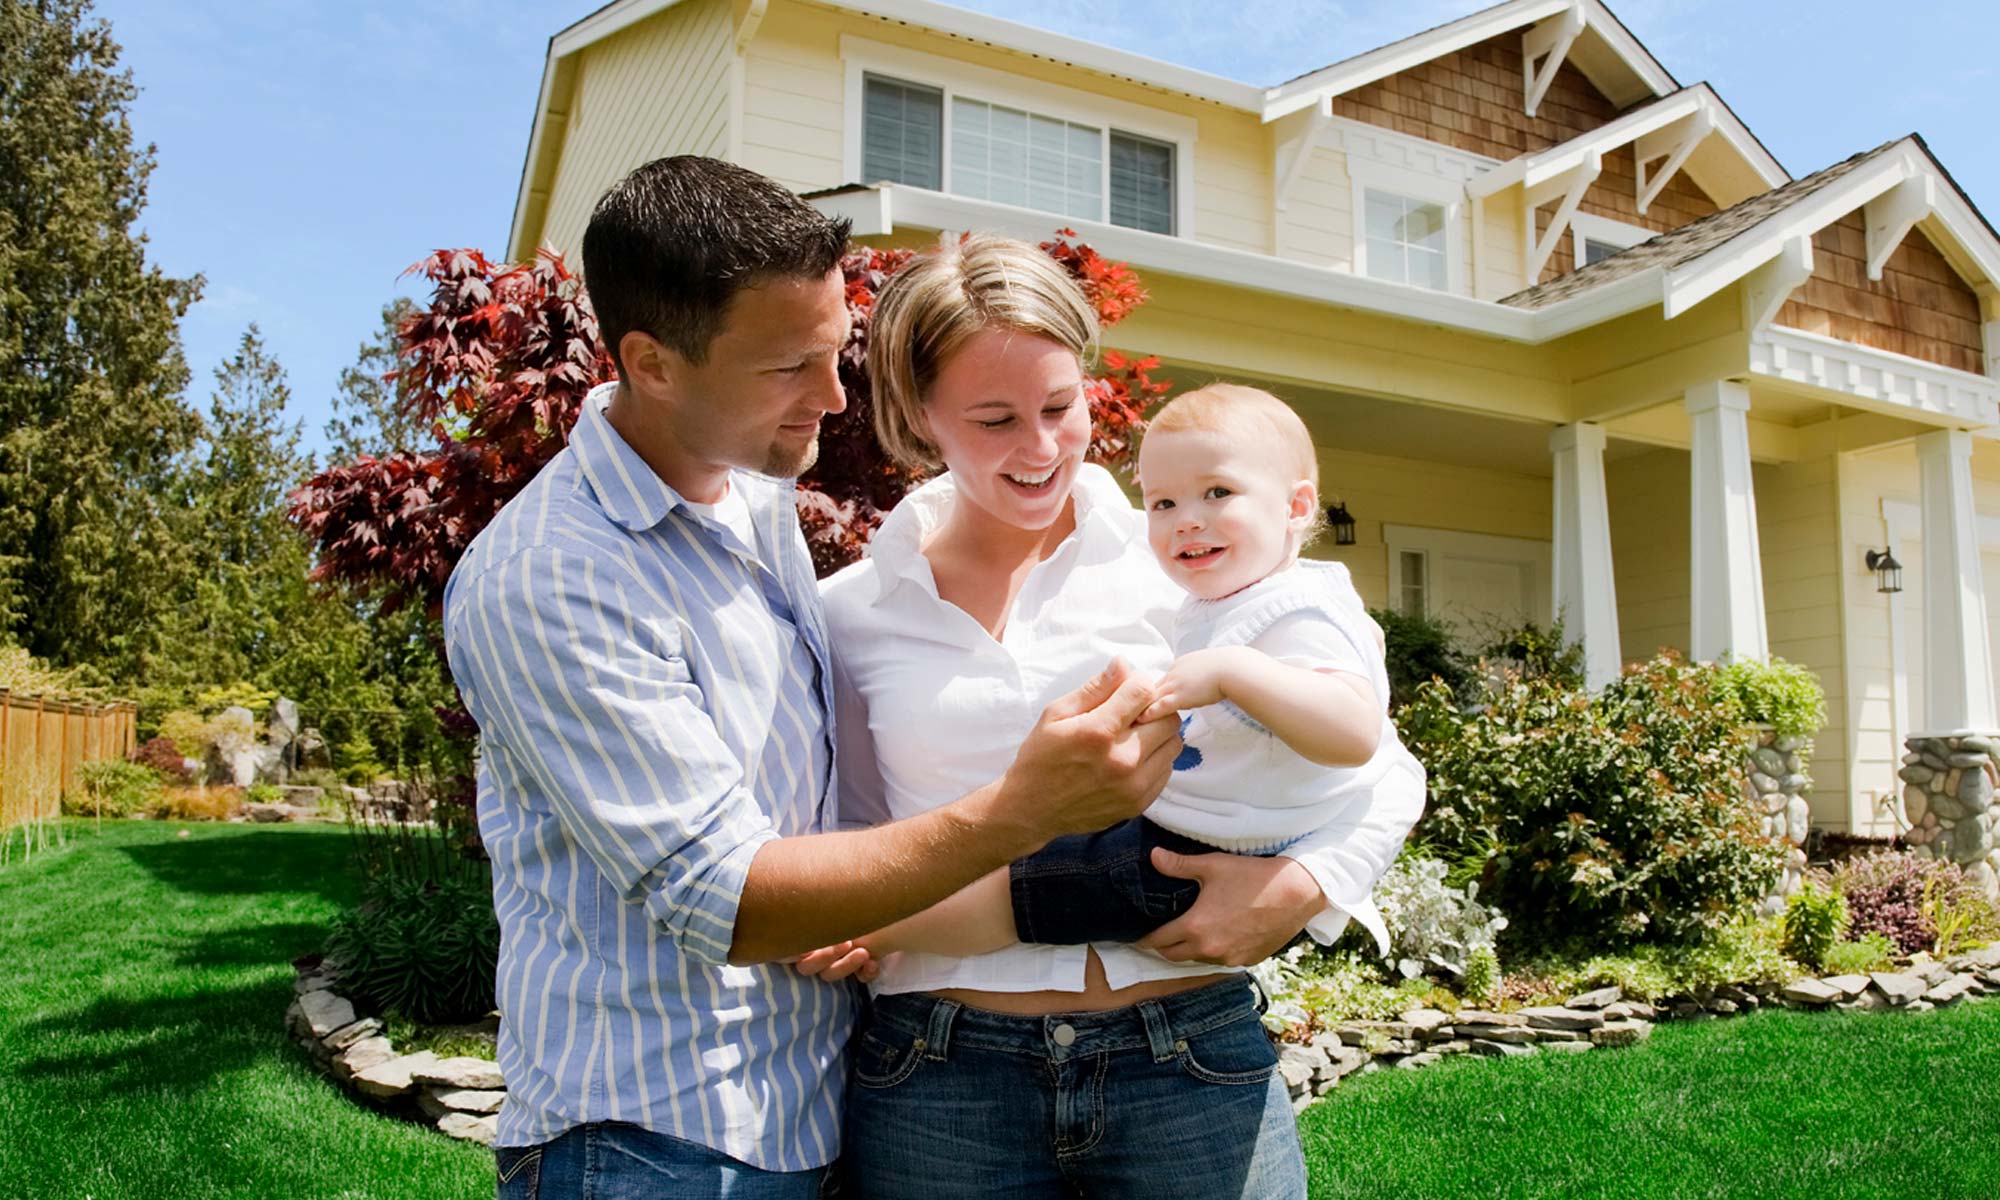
<point>347,1035</point>
<point>1298,1065</point>
<point>469,1128</point>
<point>1812,991</point>
<point>1951,989</point>
<point>1551,1017</point>
<point>1900,989</point>
<point>1517,1035</point>
<point>1414,1061</point>
<point>324,1011</point>
<point>1478,1016</point>
<point>390,1079</point>
<point>1493,1049</point>
<point>1849,986</point>
<point>479,1074</point>
<point>1425,1021</point>
<point>1621,1033</point>
<point>363,1054</point>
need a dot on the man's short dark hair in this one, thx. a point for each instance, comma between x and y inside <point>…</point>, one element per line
<point>672,243</point>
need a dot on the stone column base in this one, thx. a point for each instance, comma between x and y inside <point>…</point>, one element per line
<point>1948,794</point>
<point>1776,789</point>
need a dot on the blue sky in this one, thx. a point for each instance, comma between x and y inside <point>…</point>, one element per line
<point>309,151</point>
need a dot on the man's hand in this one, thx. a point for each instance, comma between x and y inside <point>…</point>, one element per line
<point>838,961</point>
<point>1196,680</point>
<point>1089,763</point>
<point>1248,909</point>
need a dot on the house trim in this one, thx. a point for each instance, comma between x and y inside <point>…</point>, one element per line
<point>1875,380</point>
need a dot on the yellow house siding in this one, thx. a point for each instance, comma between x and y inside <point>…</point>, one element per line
<point>658,88</point>
<point>1647,494</point>
<point>1798,538</point>
<point>794,104</point>
<point>1866,478</point>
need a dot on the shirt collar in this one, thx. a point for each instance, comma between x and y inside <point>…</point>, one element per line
<point>628,490</point>
<point>1103,511</point>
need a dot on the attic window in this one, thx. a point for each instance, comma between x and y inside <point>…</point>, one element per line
<point>1598,238</point>
<point>941,138</point>
<point>1595,251</point>
<point>1406,240</point>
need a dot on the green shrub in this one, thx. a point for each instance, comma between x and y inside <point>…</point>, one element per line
<point>246,695</point>
<point>1872,953</point>
<point>189,731</point>
<point>1416,650</point>
<point>1482,975</point>
<point>424,949</point>
<point>1904,896</point>
<point>1815,919</point>
<point>1539,651</point>
<point>1747,950</point>
<point>264,793</point>
<point>1611,820</point>
<point>1783,695</point>
<point>114,789</point>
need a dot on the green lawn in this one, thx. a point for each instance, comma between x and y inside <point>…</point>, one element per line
<point>143,984</point>
<point>1778,1104</point>
<point>143,980</point>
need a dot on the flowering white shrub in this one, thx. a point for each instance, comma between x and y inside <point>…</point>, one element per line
<point>1433,926</point>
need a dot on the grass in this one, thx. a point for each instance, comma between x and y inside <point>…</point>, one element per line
<point>144,977</point>
<point>143,983</point>
<point>1777,1104</point>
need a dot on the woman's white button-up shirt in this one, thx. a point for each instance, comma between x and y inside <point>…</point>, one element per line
<point>929,707</point>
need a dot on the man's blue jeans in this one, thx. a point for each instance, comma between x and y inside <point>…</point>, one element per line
<point>615,1161</point>
<point>1176,1097</point>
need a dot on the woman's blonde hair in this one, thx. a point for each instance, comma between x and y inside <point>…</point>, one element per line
<point>929,309</point>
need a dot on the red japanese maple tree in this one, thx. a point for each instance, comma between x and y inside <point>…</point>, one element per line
<point>499,364</point>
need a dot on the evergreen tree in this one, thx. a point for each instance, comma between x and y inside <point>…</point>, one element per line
<point>91,371</point>
<point>372,412</point>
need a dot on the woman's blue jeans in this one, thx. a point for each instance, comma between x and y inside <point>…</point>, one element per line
<point>1176,1097</point>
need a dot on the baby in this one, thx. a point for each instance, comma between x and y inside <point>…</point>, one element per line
<point>1278,673</point>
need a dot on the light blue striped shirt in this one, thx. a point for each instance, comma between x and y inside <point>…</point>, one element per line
<point>653,706</point>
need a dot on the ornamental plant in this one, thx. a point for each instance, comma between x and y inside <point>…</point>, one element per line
<point>1608,820</point>
<point>1434,928</point>
<point>1815,920</point>
<point>1784,695</point>
<point>1902,896</point>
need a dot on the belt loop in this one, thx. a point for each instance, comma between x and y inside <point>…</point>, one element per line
<point>1159,1034</point>
<point>937,1036</point>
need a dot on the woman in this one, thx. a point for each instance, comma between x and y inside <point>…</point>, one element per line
<point>991,590</point>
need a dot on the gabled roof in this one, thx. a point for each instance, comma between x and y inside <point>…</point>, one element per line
<point>1609,55</point>
<point>1703,257</point>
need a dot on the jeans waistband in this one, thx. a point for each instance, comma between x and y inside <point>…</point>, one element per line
<point>1157,1026</point>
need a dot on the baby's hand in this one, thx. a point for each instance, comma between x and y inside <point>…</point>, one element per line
<point>1196,679</point>
<point>838,961</point>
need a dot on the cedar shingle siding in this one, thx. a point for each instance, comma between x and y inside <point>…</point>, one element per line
<point>1472,99</point>
<point>1920,308</point>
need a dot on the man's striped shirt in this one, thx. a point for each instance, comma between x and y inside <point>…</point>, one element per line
<point>653,705</point>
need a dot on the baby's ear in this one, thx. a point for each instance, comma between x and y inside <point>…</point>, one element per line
<point>1305,504</point>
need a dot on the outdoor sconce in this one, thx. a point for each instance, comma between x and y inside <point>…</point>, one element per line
<point>1342,522</point>
<point>1888,572</point>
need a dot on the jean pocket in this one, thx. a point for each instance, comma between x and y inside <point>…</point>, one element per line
<point>520,1172</point>
<point>885,1057</point>
<point>1238,1053</point>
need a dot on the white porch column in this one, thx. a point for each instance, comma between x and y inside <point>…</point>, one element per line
<point>1958,676</point>
<point>1727,604</point>
<point>1586,599</point>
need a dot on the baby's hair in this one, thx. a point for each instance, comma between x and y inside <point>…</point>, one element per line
<point>1233,408</point>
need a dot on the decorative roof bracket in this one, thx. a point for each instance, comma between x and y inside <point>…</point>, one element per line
<point>746,28</point>
<point>1293,155</point>
<point>1890,216</point>
<point>1551,38</point>
<point>1674,143</point>
<point>1570,185</point>
<point>1989,312</point>
<point>1766,289</point>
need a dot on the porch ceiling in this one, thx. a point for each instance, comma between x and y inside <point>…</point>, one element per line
<point>1406,429</point>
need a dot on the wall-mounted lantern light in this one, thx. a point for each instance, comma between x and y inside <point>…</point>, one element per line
<point>1888,572</point>
<point>1342,523</point>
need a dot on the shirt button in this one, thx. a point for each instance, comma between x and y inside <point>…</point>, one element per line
<point>1064,1034</point>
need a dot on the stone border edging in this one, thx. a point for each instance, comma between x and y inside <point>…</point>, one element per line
<point>460,1096</point>
<point>1603,1017</point>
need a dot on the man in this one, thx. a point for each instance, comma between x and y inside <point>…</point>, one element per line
<point>638,635</point>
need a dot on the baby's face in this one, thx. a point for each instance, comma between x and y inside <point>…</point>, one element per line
<point>1220,512</point>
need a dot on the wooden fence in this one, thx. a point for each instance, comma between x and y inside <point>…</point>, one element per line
<point>44,741</point>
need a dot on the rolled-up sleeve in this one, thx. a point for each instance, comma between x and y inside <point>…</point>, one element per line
<point>578,681</point>
<point>1348,854</point>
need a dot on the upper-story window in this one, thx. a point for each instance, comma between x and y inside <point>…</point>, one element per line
<point>1598,238</point>
<point>972,131</point>
<point>1405,240</point>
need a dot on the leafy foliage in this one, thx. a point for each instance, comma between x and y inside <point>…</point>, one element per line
<point>1538,650</point>
<point>113,788</point>
<point>1815,920</point>
<point>1613,819</point>
<point>1745,950</point>
<point>1434,928</point>
<point>420,948</point>
<point>1418,649</point>
<point>1872,952</point>
<point>162,757</point>
<point>91,422</point>
<point>1900,895</point>
<point>1784,695</point>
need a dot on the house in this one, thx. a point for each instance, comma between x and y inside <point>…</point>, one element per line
<point>1570,338</point>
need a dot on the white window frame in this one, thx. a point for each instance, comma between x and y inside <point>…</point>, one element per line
<point>1427,189</point>
<point>1589,227</point>
<point>1434,544</point>
<point>863,56</point>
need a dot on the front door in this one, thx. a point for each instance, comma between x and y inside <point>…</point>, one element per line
<point>1478,584</point>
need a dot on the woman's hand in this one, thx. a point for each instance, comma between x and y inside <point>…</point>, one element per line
<point>838,961</point>
<point>1248,909</point>
<point>1195,680</point>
